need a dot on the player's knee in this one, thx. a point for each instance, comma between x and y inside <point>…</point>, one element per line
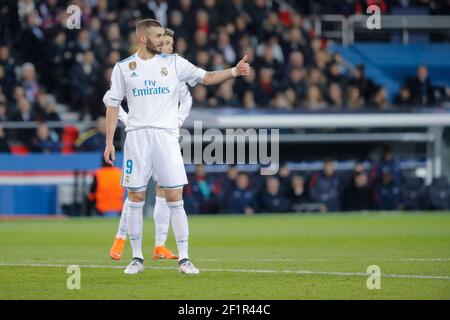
<point>136,196</point>
<point>173,195</point>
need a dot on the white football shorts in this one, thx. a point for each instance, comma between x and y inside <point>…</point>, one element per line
<point>153,153</point>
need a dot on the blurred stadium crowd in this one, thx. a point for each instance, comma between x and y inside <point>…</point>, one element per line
<point>44,65</point>
<point>383,187</point>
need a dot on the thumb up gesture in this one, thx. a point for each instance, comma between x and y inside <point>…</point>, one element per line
<point>243,68</point>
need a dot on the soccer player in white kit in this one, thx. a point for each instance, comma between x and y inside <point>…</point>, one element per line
<point>151,82</point>
<point>161,214</point>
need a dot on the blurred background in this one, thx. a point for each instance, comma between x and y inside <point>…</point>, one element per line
<point>364,115</point>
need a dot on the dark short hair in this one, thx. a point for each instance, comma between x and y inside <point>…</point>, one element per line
<point>146,24</point>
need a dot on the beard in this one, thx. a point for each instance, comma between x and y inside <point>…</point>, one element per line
<point>151,48</point>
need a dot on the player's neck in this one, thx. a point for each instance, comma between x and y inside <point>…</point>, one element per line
<point>144,54</point>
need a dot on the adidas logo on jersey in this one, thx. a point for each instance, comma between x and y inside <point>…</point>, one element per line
<point>134,74</point>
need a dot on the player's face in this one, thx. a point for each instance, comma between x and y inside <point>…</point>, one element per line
<point>154,40</point>
<point>168,45</point>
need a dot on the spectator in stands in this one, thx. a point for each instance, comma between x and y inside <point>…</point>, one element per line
<point>403,99</point>
<point>380,100</point>
<point>388,195</point>
<point>82,80</point>
<point>32,40</point>
<point>387,160</point>
<point>93,139</point>
<point>48,110</point>
<point>284,175</point>
<point>335,98</point>
<point>296,82</point>
<point>200,97</point>
<point>281,102</point>
<point>314,100</point>
<point>29,82</point>
<point>421,87</point>
<point>271,198</point>
<point>206,190</point>
<point>241,199</point>
<point>367,87</point>
<point>325,187</point>
<point>9,79</point>
<point>45,141</point>
<point>4,145</point>
<point>354,99</point>
<point>228,184</point>
<point>266,88</point>
<point>297,193</point>
<point>357,194</point>
<point>226,96</point>
<point>24,114</point>
<point>106,192</point>
<point>249,100</point>
<point>3,109</point>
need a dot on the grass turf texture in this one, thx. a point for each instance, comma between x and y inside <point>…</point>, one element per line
<point>240,257</point>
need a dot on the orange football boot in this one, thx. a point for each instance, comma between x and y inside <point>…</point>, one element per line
<point>161,252</point>
<point>117,248</point>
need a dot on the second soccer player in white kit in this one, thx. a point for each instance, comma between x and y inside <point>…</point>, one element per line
<point>150,81</point>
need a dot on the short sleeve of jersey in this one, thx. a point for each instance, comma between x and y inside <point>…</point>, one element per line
<point>187,72</point>
<point>117,90</point>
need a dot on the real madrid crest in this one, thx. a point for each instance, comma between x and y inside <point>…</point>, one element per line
<point>132,65</point>
<point>164,71</point>
<point>127,179</point>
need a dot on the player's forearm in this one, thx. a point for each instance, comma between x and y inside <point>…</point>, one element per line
<point>216,77</point>
<point>112,115</point>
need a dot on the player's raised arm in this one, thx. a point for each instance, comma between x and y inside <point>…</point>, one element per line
<point>215,77</point>
<point>192,75</point>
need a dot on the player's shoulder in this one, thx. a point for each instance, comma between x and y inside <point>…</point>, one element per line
<point>129,59</point>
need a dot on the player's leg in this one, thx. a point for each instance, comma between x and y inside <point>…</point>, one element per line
<point>135,222</point>
<point>136,173</point>
<point>121,235</point>
<point>169,169</point>
<point>161,217</point>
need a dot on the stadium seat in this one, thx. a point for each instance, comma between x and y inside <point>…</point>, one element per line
<point>69,136</point>
<point>19,149</point>
<point>414,193</point>
<point>438,194</point>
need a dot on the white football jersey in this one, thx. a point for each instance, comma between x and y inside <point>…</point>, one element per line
<point>152,88</point>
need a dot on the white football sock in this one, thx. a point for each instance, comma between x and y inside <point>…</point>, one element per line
<point>122,231</point>
<point>135,222</point>
<point>161,216</point>
<point>180,228</point>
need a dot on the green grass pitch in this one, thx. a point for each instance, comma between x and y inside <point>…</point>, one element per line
<point>240,257</point>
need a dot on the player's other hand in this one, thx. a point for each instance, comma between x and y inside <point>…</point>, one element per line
<point>243,68</point>
<point>110,154</point>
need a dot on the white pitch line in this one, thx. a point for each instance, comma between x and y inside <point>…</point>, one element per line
<point>426,259</point>
<point>304,272</point>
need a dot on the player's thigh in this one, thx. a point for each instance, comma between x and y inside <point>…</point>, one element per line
<point>137,169</point>
<point>167,161</point>
<point>159,192</point>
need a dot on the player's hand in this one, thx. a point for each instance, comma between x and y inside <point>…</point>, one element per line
<point>110,154</point>
<point>243,68</point>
